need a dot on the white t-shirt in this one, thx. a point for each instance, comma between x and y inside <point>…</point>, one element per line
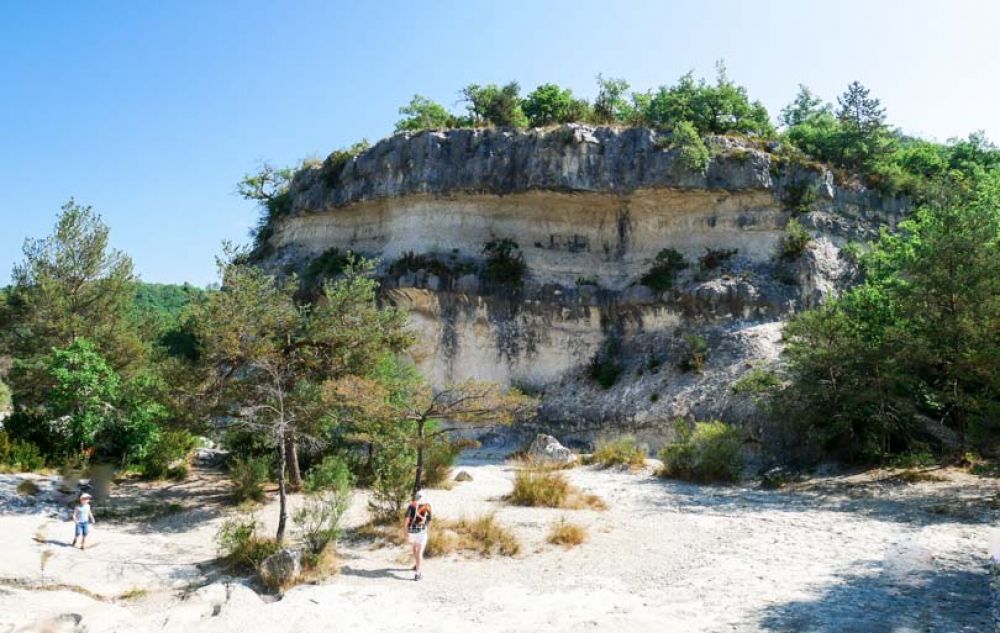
<point>82,513</point>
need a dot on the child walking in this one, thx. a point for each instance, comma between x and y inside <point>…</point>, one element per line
<point>83,517</point>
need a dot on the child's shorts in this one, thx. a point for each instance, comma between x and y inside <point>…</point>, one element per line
<point>82,529</point>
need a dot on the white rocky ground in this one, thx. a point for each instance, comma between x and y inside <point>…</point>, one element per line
<point>845,554</point>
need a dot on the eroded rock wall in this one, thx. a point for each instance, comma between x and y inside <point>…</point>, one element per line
<point>590,209</point>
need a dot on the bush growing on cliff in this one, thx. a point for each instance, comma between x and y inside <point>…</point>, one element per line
<point>692,354</point>
<point>794,242</point>
<point>333,167</point>
<point>549,104</point>
<point>505,265</point>
<point>492,105</point>
<point>423,114</point>
<point>693,154</point>
<point>663,272</point>
<point>707,452</point>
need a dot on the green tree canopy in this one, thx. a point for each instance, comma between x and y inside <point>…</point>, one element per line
<point>549,104</point>
<point>492,105</point>
<point>423,114</point>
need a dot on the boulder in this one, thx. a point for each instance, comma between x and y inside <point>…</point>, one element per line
<point>463,476</point>
<point>547,450</point>
<point>281,568</point>
<point>210,457</point>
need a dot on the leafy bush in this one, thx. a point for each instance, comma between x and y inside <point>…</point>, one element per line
<point>663,272</point>
<point>567,534</point>
<point>492,105</point>
<point>392,483</point>
<point>794,242</point>
<point>423,114</point>
<point>693,154</point>
<point>333,473</point>
<point>549,104</point>
<point>171,447</point>
<point>439,459</point>
<point>4,397</point>
<point>411,262</point>
<point>605,370</point>
<point>710,452</point>
<point>505,264</point>
<point>693,354</point>
<point>333,167</point>
<point>240,543</point>
<point>320,515</point>
<point>756,381</point>
<point>329,264</point>
<point>248,475</point>
<point>22,455</point>
<point>549,489</point>
<point>799,197</point>
<point>620,451</point>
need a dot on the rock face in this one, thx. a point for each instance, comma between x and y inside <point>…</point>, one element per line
<point>546,449</point>
<point>281,568</point>
<point>592,212</point>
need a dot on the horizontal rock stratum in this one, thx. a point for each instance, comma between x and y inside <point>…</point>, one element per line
<point>589,209</point>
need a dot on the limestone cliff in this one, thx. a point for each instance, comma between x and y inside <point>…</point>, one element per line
<point>589,211</point>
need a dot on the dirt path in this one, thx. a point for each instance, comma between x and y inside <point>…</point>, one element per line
<point>839,554</point>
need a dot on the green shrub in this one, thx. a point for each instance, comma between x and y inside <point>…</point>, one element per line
<point>756,381</point>
<point>23,456</point>
<point>240,543</point>
<point>411,262</point>
<point>439,459</point>
<point>171,447</point>
<point>392,483</point>
<point>4,447</point>
<point>663,272</point>
<point>710,452</point>
<point>248,475</point>
<point>692,155</point>
<point>693,354</point>
<point>320,515</point>
<point>620,451</point>
<point>333,473</point>
<point>332,171</point>
<point>605,371</point>
<point>4,397</point>
<point>794,242</point>
<point>505,264</point>
<point>327,265</point>
<point>799,197</point>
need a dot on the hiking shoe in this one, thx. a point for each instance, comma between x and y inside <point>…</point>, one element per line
<point>417,576</point>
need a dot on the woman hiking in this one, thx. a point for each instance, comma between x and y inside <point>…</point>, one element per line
<point>418,519</point>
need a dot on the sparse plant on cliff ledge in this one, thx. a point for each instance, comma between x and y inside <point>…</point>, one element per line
<point>693,353</point>
<point>663,272</point>
<point>333,167</point>
<point>714,257</point>
<point>794,242</point>
<point>505,265</point>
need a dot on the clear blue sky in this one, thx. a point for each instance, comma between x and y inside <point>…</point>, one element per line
<point>151,111</point>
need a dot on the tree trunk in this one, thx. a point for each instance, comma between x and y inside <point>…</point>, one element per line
<point>294,474</point>
<point>420,457</point>
<point>282,492</point>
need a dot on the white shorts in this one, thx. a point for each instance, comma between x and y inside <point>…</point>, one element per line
<point>418,538</point>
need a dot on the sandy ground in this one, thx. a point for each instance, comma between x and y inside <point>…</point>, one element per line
<point>846,554</point>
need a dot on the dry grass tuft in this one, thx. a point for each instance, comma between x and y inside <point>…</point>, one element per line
<point>134,594</point>
<point>482,535</point>
<point>620,451</point>
<point>567,534</point>
<point>547,489</point>
<point>916,476</point>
